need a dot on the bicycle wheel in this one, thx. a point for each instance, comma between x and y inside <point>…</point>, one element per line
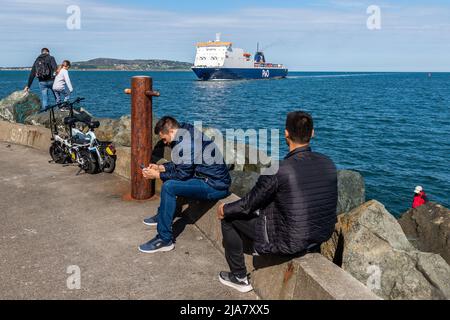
<point>88,162</point>
<point>110,164</point>
<point>57,152</point>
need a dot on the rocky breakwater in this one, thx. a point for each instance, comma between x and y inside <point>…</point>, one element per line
<point>428,228</point>
<point>370,244</point>
<point>18,106</point>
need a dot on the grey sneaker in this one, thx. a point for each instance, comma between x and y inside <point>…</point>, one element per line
<point>152,221</point>
<point>229,279</point>
<point>155,245</point>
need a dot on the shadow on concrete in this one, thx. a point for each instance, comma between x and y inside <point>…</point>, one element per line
<point>189,211</point>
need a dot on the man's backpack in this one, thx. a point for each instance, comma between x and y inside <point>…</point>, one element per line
<point>43,68</point>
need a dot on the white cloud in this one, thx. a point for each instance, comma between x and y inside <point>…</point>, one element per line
<point>332,29</point>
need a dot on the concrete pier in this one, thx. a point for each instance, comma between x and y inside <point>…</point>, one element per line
<point>52,219</point>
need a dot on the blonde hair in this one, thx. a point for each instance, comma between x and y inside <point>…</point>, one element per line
<point>65,63</point>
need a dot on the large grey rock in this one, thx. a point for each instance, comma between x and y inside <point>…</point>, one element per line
<point>242,182</point>
<point>242,156</point>
<point>19,105</point>
<point>369,242</point>
<point>123,132</point>
<point>428,228</point>
<point>246,158</point>
<point>117,131</point>
<point>108,128</point>
<point>351,190</point>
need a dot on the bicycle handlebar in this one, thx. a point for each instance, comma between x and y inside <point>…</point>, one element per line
<point>77,100</point>
<point>66,103</point>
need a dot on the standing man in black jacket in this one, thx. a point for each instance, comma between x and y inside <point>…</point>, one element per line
<point>289,213</point>
<point>44,68</point>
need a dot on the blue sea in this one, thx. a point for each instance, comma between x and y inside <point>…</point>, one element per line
<point>394,128</point>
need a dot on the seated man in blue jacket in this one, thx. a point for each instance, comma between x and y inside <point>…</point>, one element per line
<point>192,173</point>
<point>289,213</point>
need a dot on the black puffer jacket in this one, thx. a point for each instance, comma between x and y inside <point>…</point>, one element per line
<point>297,205</point>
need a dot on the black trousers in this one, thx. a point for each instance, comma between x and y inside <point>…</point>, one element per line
<point>234,231</point>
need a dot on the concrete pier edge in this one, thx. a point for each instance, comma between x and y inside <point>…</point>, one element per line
<point>309,277</point>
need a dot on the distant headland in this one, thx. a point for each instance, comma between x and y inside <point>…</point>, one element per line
<point>107,64</point>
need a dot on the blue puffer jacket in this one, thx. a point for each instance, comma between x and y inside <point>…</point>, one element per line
<point>196,164</point>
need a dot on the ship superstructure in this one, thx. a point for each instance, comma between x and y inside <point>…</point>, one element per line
<point>219,60</point>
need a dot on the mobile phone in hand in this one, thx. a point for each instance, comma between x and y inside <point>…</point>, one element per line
<point>142,166</point>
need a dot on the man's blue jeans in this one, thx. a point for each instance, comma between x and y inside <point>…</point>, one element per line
<point>192,188</point>
<point>45,86</point>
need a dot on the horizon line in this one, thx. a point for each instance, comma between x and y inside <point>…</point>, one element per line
<point>182,70</point>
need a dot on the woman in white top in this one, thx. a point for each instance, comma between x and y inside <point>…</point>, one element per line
<point>62,85</point>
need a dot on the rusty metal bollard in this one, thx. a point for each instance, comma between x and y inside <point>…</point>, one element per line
<point>141,135</point>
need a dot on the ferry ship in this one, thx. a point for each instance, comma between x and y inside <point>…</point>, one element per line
<point>218,60</point>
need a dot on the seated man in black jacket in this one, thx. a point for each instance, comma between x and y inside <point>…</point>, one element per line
<point>289,213</point>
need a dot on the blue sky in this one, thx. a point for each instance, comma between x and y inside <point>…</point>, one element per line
<point>322,35</point>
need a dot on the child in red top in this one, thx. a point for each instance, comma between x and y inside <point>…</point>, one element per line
<point>420,197</point>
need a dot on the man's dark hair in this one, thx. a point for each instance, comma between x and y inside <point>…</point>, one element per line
<point>299,126</point>
<point>44,50</point>
<point>165,124</point>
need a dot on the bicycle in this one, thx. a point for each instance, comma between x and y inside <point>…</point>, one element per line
<point>60,147</point>
<point>91,154</point>
<point>94,154</point>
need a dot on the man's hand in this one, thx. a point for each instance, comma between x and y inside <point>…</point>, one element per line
<point>220,213</point>
<point>151,166</point>
<point>26,89</point>
<point>150,174</point>
<point>159,168</point>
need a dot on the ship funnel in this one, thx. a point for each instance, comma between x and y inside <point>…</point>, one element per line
<point>259,57</point>
<point>218,37</point>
